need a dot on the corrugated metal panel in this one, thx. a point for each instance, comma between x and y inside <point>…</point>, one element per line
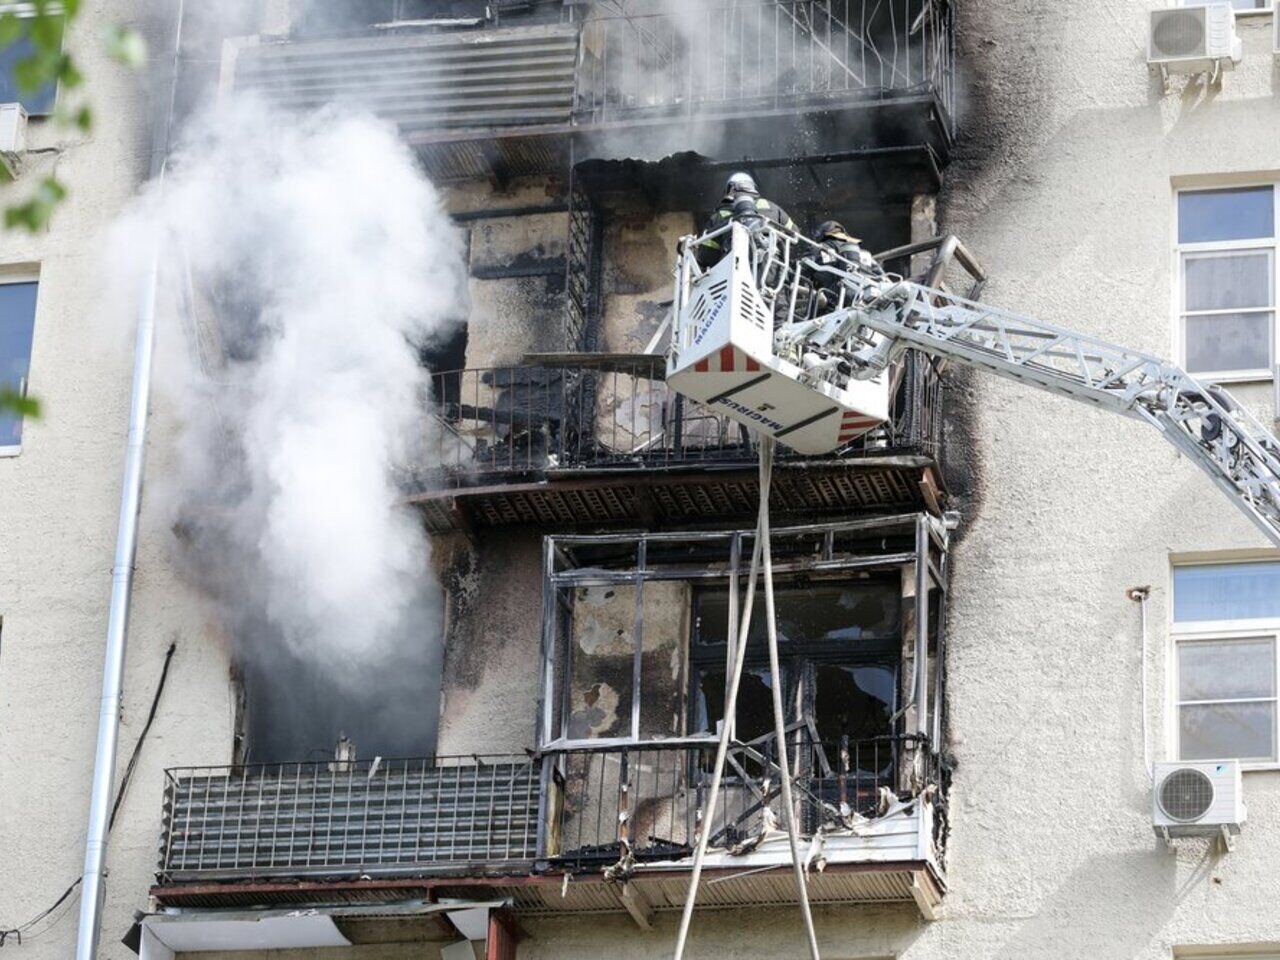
<point>428,82</point>
<point>402,816</point>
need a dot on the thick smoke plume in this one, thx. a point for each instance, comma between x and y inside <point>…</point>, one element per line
<point>307,261</point>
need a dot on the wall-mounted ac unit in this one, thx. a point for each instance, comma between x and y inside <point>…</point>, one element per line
<point>1198,798</point>
<point>1199,39</point>
<point>13,138</point>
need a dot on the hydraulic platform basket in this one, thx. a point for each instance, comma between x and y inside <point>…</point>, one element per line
<point>722,356</point>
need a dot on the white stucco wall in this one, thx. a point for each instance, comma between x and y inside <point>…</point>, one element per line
<point>59,501</point>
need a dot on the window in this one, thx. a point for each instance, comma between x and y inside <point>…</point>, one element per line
<point>1226,618</point>
<point>1227,278</point>
<point>1241,6</point>
<point>17,321</point>
<point>839,646</point>
<point>38,103</point>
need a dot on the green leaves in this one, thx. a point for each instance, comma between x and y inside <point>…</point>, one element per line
<point>11,401</point>
<point>126,46</point>
<point>34,214</point>
<point>46,64</point>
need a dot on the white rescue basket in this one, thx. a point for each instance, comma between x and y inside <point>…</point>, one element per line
<point>722,353</point>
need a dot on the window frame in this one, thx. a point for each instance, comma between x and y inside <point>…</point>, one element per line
<point>25,9</point>
<point>1247,12</point>
<point>798,659</point>
<point>1219,630</point>
<point>7,277</point>
<point>1183,251</point>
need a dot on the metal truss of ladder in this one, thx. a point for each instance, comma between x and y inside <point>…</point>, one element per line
<point>1204,422</point>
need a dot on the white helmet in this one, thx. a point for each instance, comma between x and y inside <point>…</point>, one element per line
<point>741,182</point>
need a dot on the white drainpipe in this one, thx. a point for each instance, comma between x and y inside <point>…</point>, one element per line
<point>104,761</point>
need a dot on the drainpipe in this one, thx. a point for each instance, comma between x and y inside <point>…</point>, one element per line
<point>104,761</point>
<point>1140,595</point>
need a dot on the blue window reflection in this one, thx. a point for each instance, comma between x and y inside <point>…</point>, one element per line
<point>17,320</point>
<point>1227,591</point>
<point>1243,213</point>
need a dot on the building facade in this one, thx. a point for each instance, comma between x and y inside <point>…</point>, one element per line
<point>974,697</point>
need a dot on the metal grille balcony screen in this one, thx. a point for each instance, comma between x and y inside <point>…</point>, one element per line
<point>471,79</point>
<point>366,817</point>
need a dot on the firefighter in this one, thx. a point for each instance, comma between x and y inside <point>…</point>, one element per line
<point>741,201</point>
<point>835,238</point>
<point>836,242</point>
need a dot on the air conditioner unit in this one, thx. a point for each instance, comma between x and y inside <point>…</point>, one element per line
<point>13,138</point>
<point>1198,798</point>
<point>1199,39</point>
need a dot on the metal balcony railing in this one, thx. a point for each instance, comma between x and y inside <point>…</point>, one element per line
<point>368,817</point>
<point>726,57</point>
<point>646,800</point>
<point>514,420</point>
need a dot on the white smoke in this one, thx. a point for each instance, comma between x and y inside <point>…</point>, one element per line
<point>316,259</point>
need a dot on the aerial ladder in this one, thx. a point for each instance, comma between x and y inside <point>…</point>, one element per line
<point>753,338</point>
<point>804,346</point>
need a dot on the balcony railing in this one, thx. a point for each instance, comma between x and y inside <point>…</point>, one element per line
<point>583,808</point>
<point>645,801</point>
<point>722,58</point>
<point>529,420</point>
<point>371,817</point>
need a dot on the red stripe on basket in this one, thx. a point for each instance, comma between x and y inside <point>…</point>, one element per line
<point>752,365</point>
<point>726,359</point>
<point>703,365</point>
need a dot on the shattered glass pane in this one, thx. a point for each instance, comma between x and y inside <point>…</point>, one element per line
<point>755,702</point>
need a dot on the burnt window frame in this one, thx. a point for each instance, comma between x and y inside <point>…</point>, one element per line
<point>826,550</point>
<point>797,658</point>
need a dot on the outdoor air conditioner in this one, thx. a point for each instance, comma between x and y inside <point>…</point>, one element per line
<point>1198,798</point>
<point>13,138</point>
<point>1194,39</point>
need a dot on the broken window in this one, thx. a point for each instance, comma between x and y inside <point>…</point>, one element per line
<point>839,647</point>
<point>639,649</point>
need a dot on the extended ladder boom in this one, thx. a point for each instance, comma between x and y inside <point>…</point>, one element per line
<point>1218,434</point>
<point>876,317</point>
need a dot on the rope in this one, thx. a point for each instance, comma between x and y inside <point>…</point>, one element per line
<point>779,720</point>
<point>761,549</point>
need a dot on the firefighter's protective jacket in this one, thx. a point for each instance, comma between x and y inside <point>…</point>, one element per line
<point>710,252</point>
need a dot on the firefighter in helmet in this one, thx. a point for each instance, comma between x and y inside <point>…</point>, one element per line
<point>835,245</point>
<point>741,201</point>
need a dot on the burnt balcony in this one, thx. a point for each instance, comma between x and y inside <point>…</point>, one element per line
<point>511,828</point>
<point>603,439</point>
<point>777,79</point>
<point>364,818</point>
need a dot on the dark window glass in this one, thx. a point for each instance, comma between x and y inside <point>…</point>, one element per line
<point>846,612</point>
<point>39,102</point>
<point>853,701</point>
<point>755,702</point>
<point>1243,213</point>
<point>17,321</point>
